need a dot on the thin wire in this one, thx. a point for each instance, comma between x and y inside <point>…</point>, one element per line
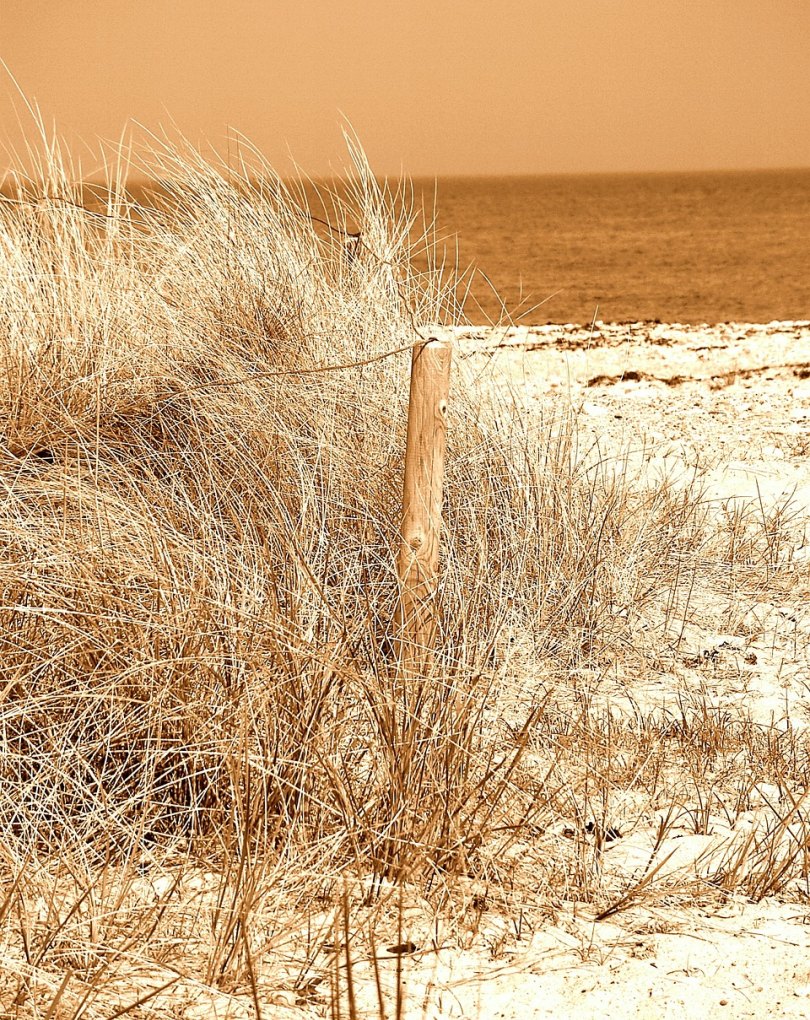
<point>296,371</point>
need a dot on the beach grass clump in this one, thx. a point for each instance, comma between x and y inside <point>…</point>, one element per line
<point>202,425</point>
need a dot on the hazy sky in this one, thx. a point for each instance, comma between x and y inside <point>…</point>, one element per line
<point>430,86</point>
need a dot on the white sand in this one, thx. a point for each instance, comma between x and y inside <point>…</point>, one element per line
<point>736,397</point>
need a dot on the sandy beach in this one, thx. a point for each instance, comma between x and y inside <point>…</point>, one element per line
<point>706,887</point>
<point>404,511</point>
<point>735,398</point>
<point>734,401</point>
<point>226,793</point>
<point>668,870</point>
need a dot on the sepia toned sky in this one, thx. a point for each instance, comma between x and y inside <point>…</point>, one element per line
<point>430,86</point>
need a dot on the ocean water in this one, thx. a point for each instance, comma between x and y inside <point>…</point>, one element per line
<point>679,247</point>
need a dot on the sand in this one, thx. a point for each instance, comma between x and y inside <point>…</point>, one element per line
<point>734,399</point>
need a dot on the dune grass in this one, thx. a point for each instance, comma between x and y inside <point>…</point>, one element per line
<point>203,736</point>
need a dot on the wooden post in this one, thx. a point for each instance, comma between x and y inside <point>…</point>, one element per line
<point>418,561</point>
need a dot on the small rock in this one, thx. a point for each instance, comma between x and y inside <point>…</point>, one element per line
<point>403,948</point>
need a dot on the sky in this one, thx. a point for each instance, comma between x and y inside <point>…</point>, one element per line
<point>431,87</point>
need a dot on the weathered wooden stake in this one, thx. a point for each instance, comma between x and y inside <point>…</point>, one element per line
<point>418,561</point>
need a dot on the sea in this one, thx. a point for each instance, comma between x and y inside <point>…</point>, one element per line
<point>709,247</point>
<point>677,247</point>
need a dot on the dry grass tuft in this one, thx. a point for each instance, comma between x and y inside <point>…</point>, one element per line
<point>202,737</point>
